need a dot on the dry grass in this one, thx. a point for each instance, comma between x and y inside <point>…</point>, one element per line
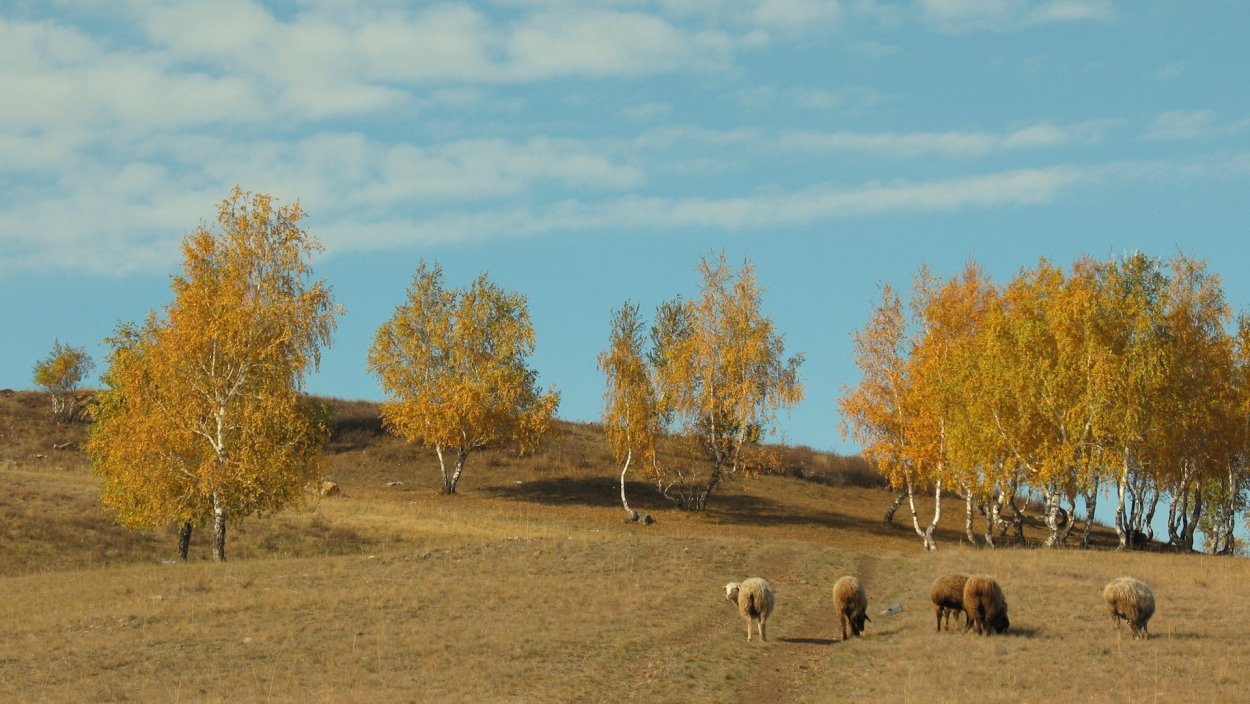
<point>530,587</point>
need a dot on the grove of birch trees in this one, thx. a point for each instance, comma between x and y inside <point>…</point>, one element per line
<point>1127,378</point>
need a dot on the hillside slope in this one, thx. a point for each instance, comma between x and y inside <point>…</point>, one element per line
<point>530,586</point>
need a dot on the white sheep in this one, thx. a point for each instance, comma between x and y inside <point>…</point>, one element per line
<point>1131,600</point>
<point>755,600</point>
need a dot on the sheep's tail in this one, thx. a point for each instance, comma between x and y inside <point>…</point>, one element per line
<point>755,603</point>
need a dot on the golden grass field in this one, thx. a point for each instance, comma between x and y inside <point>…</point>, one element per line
<point>530,587</point>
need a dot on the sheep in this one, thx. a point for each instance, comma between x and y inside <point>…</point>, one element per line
<point>850,601</point>
<point>947,595</point>
<point>1131,600</point>
<point>985,607</point>
<point>755,600</point>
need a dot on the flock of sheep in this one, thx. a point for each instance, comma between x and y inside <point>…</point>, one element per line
<point>977,597</point>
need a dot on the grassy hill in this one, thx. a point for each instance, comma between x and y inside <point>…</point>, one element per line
<point>531,587</point>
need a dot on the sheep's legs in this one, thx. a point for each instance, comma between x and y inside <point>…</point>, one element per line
<point>763,637</point>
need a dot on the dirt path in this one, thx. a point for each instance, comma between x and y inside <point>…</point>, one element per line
<point>807,649</point>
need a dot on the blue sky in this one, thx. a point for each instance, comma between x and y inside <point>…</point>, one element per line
<point>588,152</point>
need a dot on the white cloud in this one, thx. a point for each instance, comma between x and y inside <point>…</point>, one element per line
<point>762,211</point>
<point>169,184</point>
<point>972,15</point>
<point>1070,11</point>
<point>446,41</point>
<point>904,145</point>
<point>797,16</point>
<point>1181,125</point>
<point>118,223</point>
<point>607,43</point>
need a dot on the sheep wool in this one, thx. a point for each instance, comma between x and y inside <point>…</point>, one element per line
<point>850,601</point>
<point>985,606</point>
<point>755,600</point>
<point>1131,600</point>
<point>947,595</point>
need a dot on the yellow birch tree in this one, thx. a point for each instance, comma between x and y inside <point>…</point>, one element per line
<point>721,372</point>
<point>202,416</point>
<point>454,365</point>
<point>1196,440</point>
<point>873,411</point>
<point>1133,293</point>
<point>949,315</point>
<point>60,373</point>
<point>630,415</point>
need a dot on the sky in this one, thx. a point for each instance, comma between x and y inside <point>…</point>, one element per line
<point>588,152</point>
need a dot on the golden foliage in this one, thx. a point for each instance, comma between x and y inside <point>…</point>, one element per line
<point>202,412</point>
<point>629,405</point>
<point>720,371</point>
<point>454,365</point>
<point>60,373</point>
<point>1119,371</point>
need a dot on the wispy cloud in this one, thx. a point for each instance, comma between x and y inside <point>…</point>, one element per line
<point>132,222</point>
<point>956,144</point>
<point>972,15</point>
<point>750,212</point>
<point>1181,125</point>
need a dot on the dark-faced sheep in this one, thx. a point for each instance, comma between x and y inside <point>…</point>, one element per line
<point>947,595</point>
<point>1131,600</point>
<point>850,601</point>
<point>985,607</point>
<point>755,600</point>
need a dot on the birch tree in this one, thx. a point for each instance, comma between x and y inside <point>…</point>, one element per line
<point>454,364</point>
<point>1134,293</point>
<point>1195,444</point>
<point>720,373</point>
<point>202,418</point>
<point>60,373</point>
<point>630,415</point>
<point>948,316</point>
<point>873,412</point>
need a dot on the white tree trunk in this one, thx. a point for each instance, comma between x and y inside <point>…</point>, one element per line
<point>1051,496</point>
<point>219,530</point>
<point>968,509</point>
<point>1121,485</point>
<point>927,533</point>
<point>633,515</point>
<point>929,543</point>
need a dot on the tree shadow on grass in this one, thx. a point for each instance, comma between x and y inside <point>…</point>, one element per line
<point>741,509</point>
<point>755,510</point>
<point>604,492</point>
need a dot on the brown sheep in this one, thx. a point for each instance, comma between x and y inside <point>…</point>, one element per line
<point>850,601</point>
<point>1131,600</point>
<point>985,607</point>
<point>947,595</point>
<point>755,600</point>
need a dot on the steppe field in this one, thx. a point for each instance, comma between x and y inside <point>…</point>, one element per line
<point>529,586</point>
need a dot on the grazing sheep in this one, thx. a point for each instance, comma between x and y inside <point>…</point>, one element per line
<point>948,598</point>
<point>1131,600</point>
<point>755,600</point>
<point>850,601</point>
<point>985,607</point>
